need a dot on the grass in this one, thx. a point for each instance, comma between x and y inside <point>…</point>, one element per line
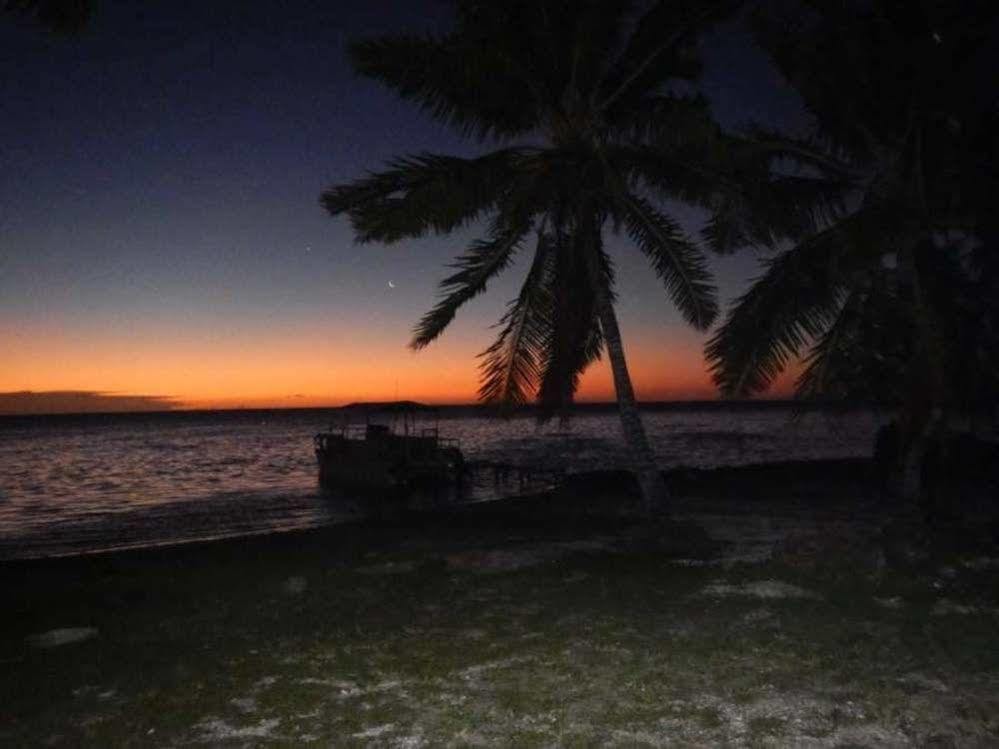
<point>390,643</point>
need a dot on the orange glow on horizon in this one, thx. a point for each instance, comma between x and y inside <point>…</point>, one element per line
<point>314,370</point>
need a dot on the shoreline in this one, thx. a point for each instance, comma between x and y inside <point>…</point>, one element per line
<point>586,503</point>
<point>605,495</point>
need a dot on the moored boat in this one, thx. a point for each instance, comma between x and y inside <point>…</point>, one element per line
<point>387,450</point>
<point>393,452</point>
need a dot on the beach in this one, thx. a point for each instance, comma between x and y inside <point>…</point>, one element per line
<point>772,608</point>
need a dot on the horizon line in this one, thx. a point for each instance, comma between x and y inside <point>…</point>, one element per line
<point>609,404</point>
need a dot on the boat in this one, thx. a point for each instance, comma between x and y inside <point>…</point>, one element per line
<point>394,452</point>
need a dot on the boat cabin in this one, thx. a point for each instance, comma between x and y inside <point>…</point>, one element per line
<point>390,450</point>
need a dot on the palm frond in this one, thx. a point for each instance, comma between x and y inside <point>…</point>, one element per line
<point>791,304</point>
<point>665,120</point>
<point>575,339</point>
<point>423,193</point>
<point>868,351</point>
<point>816,379</point>
<point>511,367</point>
<point>481,262</point>
<point>677,261</point>
<point>592,37</point>
<point>662,47</point>
<point>466,85</point>
<point>764,211</point>
<point>693,175</point>
<point>813,152</point>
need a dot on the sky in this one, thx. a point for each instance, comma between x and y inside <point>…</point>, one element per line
<point>162,243</point>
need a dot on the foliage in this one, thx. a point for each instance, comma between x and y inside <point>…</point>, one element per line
<point>587,89</point>
<point>881,292</point>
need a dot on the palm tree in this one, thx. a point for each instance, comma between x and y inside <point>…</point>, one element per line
<point>879,291</point>
<point>590,138</point>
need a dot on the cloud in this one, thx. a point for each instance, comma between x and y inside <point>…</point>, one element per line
<point>80,401</point>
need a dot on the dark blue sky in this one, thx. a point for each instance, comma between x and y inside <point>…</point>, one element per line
<point>160,230</point>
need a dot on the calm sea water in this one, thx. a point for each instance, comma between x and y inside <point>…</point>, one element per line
<point>81,484</point>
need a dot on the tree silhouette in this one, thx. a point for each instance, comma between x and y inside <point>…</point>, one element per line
<point>883,293</point>
<point>590,138</point>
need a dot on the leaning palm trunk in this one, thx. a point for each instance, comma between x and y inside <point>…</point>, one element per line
<point>650,480</point>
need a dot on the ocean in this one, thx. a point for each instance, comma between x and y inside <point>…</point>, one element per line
<point>87,483</point>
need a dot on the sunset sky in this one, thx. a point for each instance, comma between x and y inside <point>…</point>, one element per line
<point>161,235</point>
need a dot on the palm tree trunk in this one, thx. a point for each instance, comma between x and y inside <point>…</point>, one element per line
<point>650,480</point>
<point>909,477</point>
<point>915,480</point>
<point>921,411</point>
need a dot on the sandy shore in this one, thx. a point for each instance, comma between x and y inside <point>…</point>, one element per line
<point>772,609</point>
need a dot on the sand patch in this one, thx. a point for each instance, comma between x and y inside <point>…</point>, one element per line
<point>339,687</point>
<point>374,732</point>
<point>766,589</point>
<point>921,681</point>
<point>388,568</point>
<point>245,705</point>
<point>779,719</point>
<point>474,672</point>
<point>62,636</point>
<point>515,558</point>
<point>695,562</point>
<point>893,602</point>
<point>945,607</point>
<point>214,730</point>
<point>758,616</point>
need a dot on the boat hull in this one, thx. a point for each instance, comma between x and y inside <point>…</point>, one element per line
<point>417,472</point>
<point>401,469</point>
